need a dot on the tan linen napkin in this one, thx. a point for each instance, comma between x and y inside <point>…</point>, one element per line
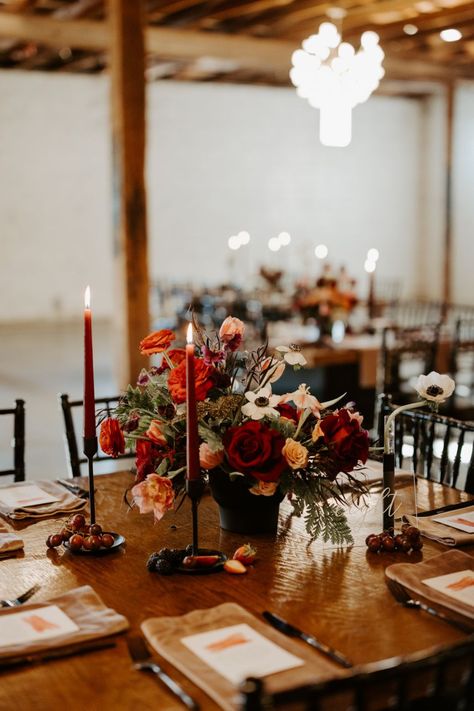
<point>165,634</point>
<point>410,576</point>
<point>66,503</point>
<point>372,473</point>
<point>439,531</point>
<point>84,607</point>
<point>10,542</point>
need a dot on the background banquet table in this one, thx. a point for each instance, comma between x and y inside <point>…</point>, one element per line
<point>338,594</point>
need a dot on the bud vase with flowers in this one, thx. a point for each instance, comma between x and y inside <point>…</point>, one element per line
<point>256,447</point>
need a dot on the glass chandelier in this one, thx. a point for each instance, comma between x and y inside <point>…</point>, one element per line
<point>334,78</point>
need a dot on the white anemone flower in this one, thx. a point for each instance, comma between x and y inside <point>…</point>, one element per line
<point>435,387</point>
<point>292,354</point>
<point>303,399</point>
<point>261,404</point>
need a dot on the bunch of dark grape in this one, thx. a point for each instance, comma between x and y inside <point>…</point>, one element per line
<point>81,535</point>
<point>389,541</point>
<point>166,560</point>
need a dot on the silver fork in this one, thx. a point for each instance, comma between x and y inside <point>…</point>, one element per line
<point>21,598</point>
<point>404,598</point>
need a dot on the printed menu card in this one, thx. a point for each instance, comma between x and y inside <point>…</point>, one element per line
<point>238,651</point>
<point>34,625</point>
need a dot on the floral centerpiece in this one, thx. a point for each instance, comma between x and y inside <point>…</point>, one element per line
<point>270,445</point>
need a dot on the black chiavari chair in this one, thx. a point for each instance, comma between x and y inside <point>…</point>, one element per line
<point>441,681</point>
<point>18,440</point>
<point>435,447</point>
<point>106,407</point>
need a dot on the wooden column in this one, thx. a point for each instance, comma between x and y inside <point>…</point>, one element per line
<point>127,69</point>
<point>448,237</point>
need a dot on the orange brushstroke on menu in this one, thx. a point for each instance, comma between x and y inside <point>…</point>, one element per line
<point>462,584</point>
<point>231,641</point>
<point>39,624</point>
<point>464,522</point>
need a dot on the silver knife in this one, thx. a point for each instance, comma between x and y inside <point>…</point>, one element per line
<point>283,626</point>
<point>143,661</point>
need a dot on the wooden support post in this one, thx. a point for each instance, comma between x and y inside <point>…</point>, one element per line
<point>127,68</point>
<point>448,237</point>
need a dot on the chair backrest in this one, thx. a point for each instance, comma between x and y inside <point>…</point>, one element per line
<point>442,681</point>
<point>105,405</point>
<point>18,440</point>
<point>406,352</point>
<point>434,446</point>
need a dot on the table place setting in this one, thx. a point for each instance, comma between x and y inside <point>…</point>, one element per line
<point>43,499</point>
<point>446,579</point>
<point>451,525</point>
<point>73,621</point>
<point>218,647</point>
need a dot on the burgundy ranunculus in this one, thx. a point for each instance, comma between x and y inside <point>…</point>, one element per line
<point>288,412</point>
<point>255,449</point>
<point>346,439</point>
<point>148,456</point>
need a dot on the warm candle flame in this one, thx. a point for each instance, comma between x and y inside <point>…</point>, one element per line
<point>189,334</point>
<point>87,298</point>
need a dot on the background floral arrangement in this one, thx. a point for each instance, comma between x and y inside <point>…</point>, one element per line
<point>291,443</point>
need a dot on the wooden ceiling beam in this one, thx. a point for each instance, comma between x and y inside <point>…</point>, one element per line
<point>264,55</point>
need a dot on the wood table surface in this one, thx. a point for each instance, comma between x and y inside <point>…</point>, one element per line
<point>337,594</point>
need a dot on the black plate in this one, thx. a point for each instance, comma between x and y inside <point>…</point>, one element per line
<point>216,568</point>
<point>119,541</point>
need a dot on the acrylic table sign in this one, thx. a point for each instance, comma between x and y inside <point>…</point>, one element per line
<point>34,625</point>
<point>461,521</point>
<point>29,495</point>
<point>238,651</point>
<point>459,585</point>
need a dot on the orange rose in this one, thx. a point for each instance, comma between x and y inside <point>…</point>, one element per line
<point>154,432</point>
<point>209,459</point>
<point>157,342</point>
<point>111,438</point>
<point>203,377</point>
<point>264,488</point>
<point>295,454</point>
<point>176,356</point>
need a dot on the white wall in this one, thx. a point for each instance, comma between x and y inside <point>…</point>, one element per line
<point>220,159</point>
<point>463,196</point>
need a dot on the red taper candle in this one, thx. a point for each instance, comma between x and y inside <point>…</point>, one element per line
<point>193,470</point>
<point>89,404</point>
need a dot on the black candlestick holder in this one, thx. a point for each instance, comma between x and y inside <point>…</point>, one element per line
<point>90,450</point>
<point>195,489</point>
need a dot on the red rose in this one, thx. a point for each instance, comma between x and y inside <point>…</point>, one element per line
<point>111,438</point>
<point>255,449</point>
<point>203,377</point>
<point>346,439</point>
<point>157,342</point>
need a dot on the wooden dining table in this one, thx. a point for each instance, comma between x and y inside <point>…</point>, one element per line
<point>337,594</point>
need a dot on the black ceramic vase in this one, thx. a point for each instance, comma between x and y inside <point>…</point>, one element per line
<point>239,510</point>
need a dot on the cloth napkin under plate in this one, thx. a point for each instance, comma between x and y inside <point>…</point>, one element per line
<point>165,633</point>
<point>10,542</point>
<point>411,576</point>
<point>439,532</point>
<point>84,607</point>
<point>66,503</point>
